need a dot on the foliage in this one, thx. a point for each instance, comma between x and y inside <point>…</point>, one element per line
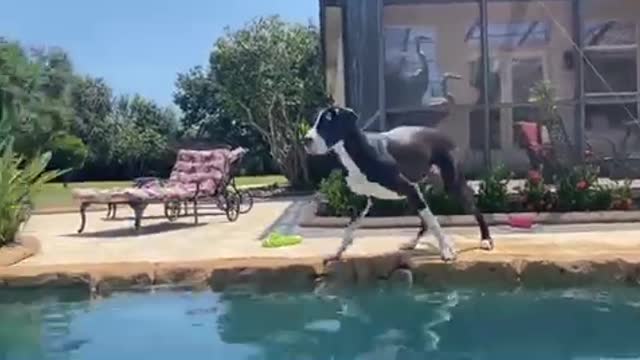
<point>204,119</point>
<point>91,100</point>
<point>52,99</point>
<point>67,152</point>
<point>341,201</point>
<point>441,203</point>
<point>621,196</point>
<point>19,181</point>
<point>536,196</point>
<point>543,94</point>
<point>269,76</point>
<point>574,189</point>
<point>578,190</point>
<point>37,83</point>
<point>493,194</point>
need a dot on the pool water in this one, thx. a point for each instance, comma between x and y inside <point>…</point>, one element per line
<point>363,324</point>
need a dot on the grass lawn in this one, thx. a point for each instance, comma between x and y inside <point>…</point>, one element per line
<point>55,195</point>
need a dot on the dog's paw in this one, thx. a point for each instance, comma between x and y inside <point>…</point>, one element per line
<point>448,254</point>
<point>408,246</point>
<point>486,244</point>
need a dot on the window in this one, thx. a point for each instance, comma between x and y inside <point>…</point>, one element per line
<point>612,32</point>
<point>525,74</point>
<point>402,62</point>
<point>513,35</point>
<point>476,129</point>
<point>611,58</point>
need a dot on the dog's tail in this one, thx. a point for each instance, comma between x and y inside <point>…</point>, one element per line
<point>449,168</point>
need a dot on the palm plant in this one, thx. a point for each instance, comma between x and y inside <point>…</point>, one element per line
<point>20,180</point>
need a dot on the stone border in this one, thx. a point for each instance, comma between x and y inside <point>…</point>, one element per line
<point>24,247</point>
<point>310,219</point>
<point>306,274</point>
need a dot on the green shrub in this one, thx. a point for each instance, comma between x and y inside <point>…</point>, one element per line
<point>536,196</point>
<point>67,152</point>
<point>575,189</point>
<point>19,182</point>
<point>493,196</point>
<point>599,198</point>
<point>621,196</point>
<point>341,201</point>
<point>441,203</point>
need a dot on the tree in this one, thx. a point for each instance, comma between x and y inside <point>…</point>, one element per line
<point>196,96</point>
<point>269,77</point>
<point>67,152</point>
<point>92,103</point>
<point>204,119</point>
<point>37,83</point>
<point>144,134</point>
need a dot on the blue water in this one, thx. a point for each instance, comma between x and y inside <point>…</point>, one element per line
<point>373,324</point>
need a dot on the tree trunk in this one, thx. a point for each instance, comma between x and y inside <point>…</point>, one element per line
<point>65,179</point>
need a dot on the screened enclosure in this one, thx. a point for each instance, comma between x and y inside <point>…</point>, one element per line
<point>475,68</point>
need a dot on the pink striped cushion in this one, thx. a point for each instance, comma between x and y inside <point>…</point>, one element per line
<point>208,168</point>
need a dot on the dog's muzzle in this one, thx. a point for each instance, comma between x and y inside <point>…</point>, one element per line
<point>314,144</point>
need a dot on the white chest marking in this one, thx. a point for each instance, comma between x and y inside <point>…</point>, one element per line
<point>358,182</point>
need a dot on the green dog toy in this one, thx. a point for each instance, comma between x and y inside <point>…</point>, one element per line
<point>279,240</point>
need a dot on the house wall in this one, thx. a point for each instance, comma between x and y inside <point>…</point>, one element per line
<point>450,24</point>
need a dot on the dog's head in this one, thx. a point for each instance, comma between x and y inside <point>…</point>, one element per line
<point>332,125</point>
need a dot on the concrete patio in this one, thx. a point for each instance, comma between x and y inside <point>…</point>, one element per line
<point>215,243</point>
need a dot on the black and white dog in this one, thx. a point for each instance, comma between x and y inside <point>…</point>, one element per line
<point>390,165</point>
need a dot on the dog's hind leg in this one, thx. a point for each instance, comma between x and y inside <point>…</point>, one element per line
<point>464,194</point>
<point>414,242</point>
<point>347,238</point>
<point>456,185</point>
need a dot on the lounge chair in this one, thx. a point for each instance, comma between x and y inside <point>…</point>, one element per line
<point>550,158</point>
<point>196,175</point>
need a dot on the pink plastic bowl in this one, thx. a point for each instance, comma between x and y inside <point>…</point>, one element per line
<point>521,221</point>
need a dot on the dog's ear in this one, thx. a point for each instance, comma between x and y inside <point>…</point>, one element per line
<point>346,115</point>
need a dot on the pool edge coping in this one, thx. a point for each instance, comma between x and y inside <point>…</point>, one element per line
<point>278,273</point>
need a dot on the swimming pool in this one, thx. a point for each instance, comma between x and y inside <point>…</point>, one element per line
<point>363,324</point>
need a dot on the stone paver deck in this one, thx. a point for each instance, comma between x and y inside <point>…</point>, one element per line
<point>114,242</point>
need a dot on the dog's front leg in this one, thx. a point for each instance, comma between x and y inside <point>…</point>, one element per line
<point>347,238</point>
<point>447,248</point>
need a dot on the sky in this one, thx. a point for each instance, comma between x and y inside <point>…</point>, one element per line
<point>138,46</point>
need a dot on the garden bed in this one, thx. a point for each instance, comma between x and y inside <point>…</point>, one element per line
<point>312,218</point>
<point>578,197</point>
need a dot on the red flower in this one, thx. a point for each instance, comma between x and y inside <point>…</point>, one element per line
<point>582,185</point>
<point>534,177</point>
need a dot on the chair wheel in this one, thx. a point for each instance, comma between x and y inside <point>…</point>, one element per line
<point>246,202</point>
<point>172,210</point>
<point>232,206</point>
